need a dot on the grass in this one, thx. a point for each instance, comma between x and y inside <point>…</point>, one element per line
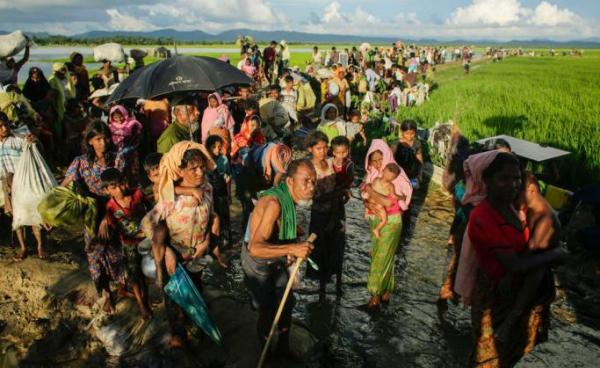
<point>548,100</point>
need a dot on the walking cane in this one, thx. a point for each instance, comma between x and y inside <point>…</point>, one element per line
<point>288,287</point>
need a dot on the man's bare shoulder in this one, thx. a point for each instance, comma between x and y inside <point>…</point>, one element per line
<point>268,203</point>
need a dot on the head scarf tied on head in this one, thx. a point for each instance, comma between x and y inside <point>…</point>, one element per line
<point>475,193</point>
<point>474,166</point>
<point>170,172</point>
<point>324,112</point>
<point>38,90</point>
<point>402,184</point>
<point>127,128</point>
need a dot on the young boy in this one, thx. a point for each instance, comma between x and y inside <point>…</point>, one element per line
<point>289,97</point>
<point>11,148</point>
<point>384,186</point>
<point>151,166</point>
<point>220,179</point>
<point>124,213</point>
<point>355,127</point>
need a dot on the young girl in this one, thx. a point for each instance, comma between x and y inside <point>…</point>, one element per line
<point>249,135</point>
<point>384,186</point>
<point>408,152</point>
<point>217,120</point>
<point>125,130</point>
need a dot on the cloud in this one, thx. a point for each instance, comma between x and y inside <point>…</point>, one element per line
<point>547,14</point>
<point>478,19</point>
<point>125,22</point>
<point>501,12</point>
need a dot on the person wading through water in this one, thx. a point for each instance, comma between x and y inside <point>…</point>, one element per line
<point>272,246</point>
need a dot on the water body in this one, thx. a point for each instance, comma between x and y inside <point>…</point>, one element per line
<point>408,332</point>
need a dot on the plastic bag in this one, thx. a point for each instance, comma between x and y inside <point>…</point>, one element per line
<point>13,43</point>
<point>32,180</point>
<point>65,207</point>
<point>110,51</point>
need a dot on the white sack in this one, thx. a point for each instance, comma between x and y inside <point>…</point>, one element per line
<point>110,51</point>
<point>12,43</point>
<point>32,180</point>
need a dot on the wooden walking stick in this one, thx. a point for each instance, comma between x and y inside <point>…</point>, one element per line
<point>288,287</point>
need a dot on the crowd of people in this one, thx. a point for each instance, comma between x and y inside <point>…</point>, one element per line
<point>167,171</point>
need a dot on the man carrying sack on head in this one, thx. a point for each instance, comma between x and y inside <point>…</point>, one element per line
<point>272,246</point>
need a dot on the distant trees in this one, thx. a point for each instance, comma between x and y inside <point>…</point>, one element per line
<point>125,40</point>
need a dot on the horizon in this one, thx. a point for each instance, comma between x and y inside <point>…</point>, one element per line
<point>472,20</point>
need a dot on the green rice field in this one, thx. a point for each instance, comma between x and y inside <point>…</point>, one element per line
<point>548,100</point>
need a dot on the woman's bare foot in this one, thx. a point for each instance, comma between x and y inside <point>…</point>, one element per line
<point>21,255</point>
<point>374,302</point>
<point>385,298</point>
<point>41,253</point>
<point>109,306</point>
<point>146,313</point>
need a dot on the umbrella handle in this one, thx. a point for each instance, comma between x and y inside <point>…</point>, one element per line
<point>288,288</point>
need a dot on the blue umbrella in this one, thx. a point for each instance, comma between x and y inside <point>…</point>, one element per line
<point>182,291</point>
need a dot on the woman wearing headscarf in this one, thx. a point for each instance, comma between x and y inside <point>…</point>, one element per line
<point>217,120</point>
<point>381,280</point>
<point>76,67</point>
<point>498,235</point>
<point>332,125</point>
<point>37,90</point>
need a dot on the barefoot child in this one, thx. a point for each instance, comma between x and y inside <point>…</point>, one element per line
<point>124,212</point>
<point>384,186</point>
<point>11,148</point>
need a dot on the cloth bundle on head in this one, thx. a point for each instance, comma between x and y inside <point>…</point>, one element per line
<point>127,128</point>
<point>276,156</point>
<point>475,193</point>
<point>170,172</point>
<point>402,184</point>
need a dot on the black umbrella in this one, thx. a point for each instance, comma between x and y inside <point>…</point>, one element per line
<point>177,75</point>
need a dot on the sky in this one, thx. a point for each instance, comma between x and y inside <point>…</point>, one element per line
<point>411,19</point>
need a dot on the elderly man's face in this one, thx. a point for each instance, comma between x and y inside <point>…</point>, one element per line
<point>188,117</point>
<point>193,174</point>
<point>302,185</point>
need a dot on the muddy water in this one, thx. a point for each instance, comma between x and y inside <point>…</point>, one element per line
<point>409,332</point>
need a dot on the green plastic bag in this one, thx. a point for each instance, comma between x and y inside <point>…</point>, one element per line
<point>64,206</point>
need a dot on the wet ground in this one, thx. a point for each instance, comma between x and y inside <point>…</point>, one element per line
<point>406,333</point>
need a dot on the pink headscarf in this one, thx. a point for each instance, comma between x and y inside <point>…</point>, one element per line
<point>401,183</point>
<point>468,265</point>
<point>130,127</point>
<point>213,114</point>
<point>474,166</point>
